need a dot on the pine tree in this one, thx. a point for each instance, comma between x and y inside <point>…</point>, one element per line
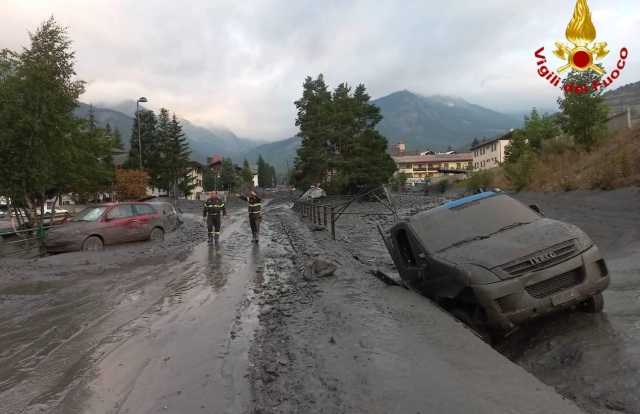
<point>148,123</point>
<point>175,160</point>
<point>314,113</point>
<point>228,175</point>
<point>247,174</point>
<point>117,139</point>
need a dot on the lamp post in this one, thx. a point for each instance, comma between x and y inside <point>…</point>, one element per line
<point>141,99</point>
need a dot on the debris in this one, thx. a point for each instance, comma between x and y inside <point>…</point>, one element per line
<point>332,341</point>
<point>321,268</point>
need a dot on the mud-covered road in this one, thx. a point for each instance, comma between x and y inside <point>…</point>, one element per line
<point>296,324</point>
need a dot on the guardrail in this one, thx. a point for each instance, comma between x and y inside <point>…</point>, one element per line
<point>26,240</point>
<point>319,214</point>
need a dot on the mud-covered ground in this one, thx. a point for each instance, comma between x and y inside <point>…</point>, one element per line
<point>298,323</point>
<point>591,359</point>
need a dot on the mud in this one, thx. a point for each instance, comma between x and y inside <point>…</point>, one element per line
<point>592,359</point>
<point>300,323</point>
<point>349,343</point>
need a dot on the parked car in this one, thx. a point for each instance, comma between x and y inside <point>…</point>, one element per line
<point>171,216</point>
<point>105,224</point>
<point>495,263</point>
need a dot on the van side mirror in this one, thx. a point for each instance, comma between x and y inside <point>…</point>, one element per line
<point>537,209</point>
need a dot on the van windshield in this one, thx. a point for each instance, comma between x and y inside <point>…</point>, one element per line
<point>90,214</point>
<point>450,227</point>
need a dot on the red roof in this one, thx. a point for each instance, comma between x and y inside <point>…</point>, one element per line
<point>215,159</point>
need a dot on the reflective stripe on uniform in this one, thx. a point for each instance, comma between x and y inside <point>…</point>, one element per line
<point>254,212</point>
<point>255,205</point>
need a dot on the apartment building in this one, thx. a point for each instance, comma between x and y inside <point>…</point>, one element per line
<point>490,154</point>
<point>420,168</point>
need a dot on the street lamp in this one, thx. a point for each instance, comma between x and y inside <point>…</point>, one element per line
<point>143,100</point>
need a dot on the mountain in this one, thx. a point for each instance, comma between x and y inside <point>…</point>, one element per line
<point>280,154</point>
<point>623,97</point>
<point>437,122</point>
<point>108,116</point>
<point>203,141</point>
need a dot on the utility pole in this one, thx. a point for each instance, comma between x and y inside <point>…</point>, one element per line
<point>141,99</point>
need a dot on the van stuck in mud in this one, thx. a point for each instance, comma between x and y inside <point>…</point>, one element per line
<point>495,263</point>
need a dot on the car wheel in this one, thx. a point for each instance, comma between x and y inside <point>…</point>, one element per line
<point>92,244</point>
<point>157,235</point>
<point>594,304</point>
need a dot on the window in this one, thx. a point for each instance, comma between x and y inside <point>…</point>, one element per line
<point>404,246</point>
<point>143,209</point>
<point>121,211</point>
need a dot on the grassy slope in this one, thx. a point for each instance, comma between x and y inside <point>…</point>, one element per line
<point>615,163</point>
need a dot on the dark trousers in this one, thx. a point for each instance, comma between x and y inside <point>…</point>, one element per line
<point>213,221</point>
<point>254,221</point>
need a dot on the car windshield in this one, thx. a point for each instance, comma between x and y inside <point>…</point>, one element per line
<point>90,214</point>
<point>467,222</point>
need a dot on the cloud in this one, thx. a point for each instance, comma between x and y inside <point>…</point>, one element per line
<point>241,64</point>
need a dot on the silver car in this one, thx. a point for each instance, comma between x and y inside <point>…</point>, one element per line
<point>496,263</point>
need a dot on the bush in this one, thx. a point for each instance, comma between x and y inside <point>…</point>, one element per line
<point>520,172</point>
<point>131,184</point>
<point>443,186</point>
<point>480,179</point>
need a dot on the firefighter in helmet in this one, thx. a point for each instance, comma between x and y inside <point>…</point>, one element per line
<point>213,211</point>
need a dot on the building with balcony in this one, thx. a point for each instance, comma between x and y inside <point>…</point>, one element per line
<point>421,168</point>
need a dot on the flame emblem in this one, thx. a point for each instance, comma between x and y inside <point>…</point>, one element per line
<point>581,33</point>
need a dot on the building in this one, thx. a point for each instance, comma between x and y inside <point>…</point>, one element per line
<point>215,163</point>
<point>490,154</point>
<point>420,168</point>
<point>398,149</point>
<point>195,174</point>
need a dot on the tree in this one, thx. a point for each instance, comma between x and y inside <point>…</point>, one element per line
<point>475,143</point>
<point>340,145</point>
<point>266,173</point>
<point>538,129</point>
<point>148,124</point>
<point>584,114</point>
<point>228,174</point>
<point>519,160</point>
<point>41,140</point>
<point>311,163</point>
<point>246,174</point>
<point>131,184</point>
<point>174,152</point>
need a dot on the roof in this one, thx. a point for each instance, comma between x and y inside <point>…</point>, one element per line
<point>504,137</point>
<point>463,156</point>
<point>464,200</point>
<point>215,159</point>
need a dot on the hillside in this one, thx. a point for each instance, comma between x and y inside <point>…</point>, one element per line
<point>280,154</point>
<point>437,122</point>
<point>623,97</point>
<point>203,141</point>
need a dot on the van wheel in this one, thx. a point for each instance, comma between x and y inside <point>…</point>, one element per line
<point>92,244</point>
<point>594,304</point>
<point>157,235</point>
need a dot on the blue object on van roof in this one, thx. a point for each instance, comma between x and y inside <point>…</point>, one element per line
<point>464,200</point>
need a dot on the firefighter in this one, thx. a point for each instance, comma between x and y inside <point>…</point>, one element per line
<point>255,214</point>
<point>213,211</point>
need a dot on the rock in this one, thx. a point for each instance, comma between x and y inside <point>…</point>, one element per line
<point>332,341</point>
<point>321,268</point>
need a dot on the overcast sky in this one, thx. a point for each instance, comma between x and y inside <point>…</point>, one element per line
<point>241,64</point>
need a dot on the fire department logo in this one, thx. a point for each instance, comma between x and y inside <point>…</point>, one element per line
<point>581,33</point>
<point>582,54</point>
